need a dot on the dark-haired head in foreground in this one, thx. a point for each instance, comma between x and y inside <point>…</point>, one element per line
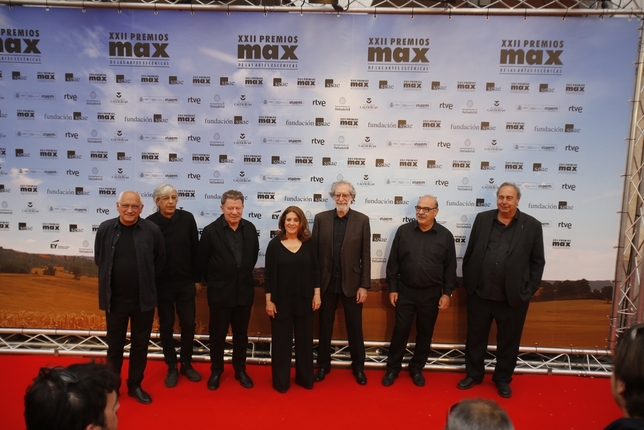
<point>79,397</point>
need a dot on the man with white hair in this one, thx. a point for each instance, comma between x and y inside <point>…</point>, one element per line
<point>129,252</point>
<point>179,282</point>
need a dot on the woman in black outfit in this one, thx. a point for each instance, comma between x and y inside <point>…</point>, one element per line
<point>292,295</point>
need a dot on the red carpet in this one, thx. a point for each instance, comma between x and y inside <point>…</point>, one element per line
<point>539,402</point>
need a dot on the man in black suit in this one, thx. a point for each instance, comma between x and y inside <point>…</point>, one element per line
<point>227,254</point>
<point>502,269</point>
<point>343,240</point>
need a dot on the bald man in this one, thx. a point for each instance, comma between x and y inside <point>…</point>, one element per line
<point>129,252</point>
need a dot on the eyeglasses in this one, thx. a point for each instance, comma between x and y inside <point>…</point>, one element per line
<point>66,379</point>
<point>337,196</point>
<point>424,209</point>
<point>128,207</point>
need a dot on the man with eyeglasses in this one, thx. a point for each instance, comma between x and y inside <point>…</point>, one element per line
<point>130,253</point>
<point>228,251</point>
<point>80,396</point>
<point>179,282</point>
<point>421,272</point>
<point>342,237</point>
<point>502,270</point>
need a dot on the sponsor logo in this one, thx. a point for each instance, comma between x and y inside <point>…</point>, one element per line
<point>538,167</point>
<point>561,243</point>
<point>359,84</point>
<point>431,164</point>
<point>397,54</point>
<point>567,168</point>
<point>461,164</point>
<point>577,89</point>
<point>514,166</point>
<point>138,49</point>
<point>465,86</point>
<point>267,51</point>
<point>98,155</point>
<point>515,126</point>
<point>265,195</point>
<point>329,83</point>
<point>186,119</point>
<point>531,57</point>
<point>200,158</point>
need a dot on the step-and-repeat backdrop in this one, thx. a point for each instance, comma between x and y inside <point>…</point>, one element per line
<point>281,105</point>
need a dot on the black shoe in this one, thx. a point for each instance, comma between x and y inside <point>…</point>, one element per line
<point>467,383</point>
<point>418,379</point>
<point>213,381</point>
<point>171,377</point>
<point>189,372</point>
<point>321,374</point>
<point>244,379</point>
<point>388,379</point>
<point>361,378</point>
<point>504,389</point>
<point>140,395</point>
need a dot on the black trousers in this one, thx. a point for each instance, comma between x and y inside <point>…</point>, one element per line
<point>353,321</point>
<point>181,298</point>
<point>509,324</point>
<point>220,318</point>
<point>423,304</point>
<point>141,327</point>
<point>282,331</point>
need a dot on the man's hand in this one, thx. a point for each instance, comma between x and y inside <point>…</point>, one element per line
<point>393,298</point>
<point>443,302</point>
<point>361,297</point>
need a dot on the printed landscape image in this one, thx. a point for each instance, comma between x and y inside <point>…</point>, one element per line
<point>44,291</point>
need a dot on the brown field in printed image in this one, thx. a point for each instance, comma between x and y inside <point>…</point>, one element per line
<point>61,301</point>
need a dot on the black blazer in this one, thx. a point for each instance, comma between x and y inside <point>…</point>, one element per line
<point>525,261</point>
<point>217,265</point>
<point>356,251</point>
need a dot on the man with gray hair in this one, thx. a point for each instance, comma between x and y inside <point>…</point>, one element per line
<point>130,253</point>
<point>228,251</point>
<point>342,237</point>
<point>421,272</point>
<point>502,270</point>
<point>478,414</point>
<point>179,282</point>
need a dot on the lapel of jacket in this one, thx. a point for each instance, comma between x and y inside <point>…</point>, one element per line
<point>487,230</point>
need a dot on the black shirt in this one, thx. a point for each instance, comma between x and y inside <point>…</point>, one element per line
<point>491,284</point>
<point>339,230</point>
<point>125,273</point>
<point>421,259</point>
<point>235,240</point>
<point>181,244</point>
